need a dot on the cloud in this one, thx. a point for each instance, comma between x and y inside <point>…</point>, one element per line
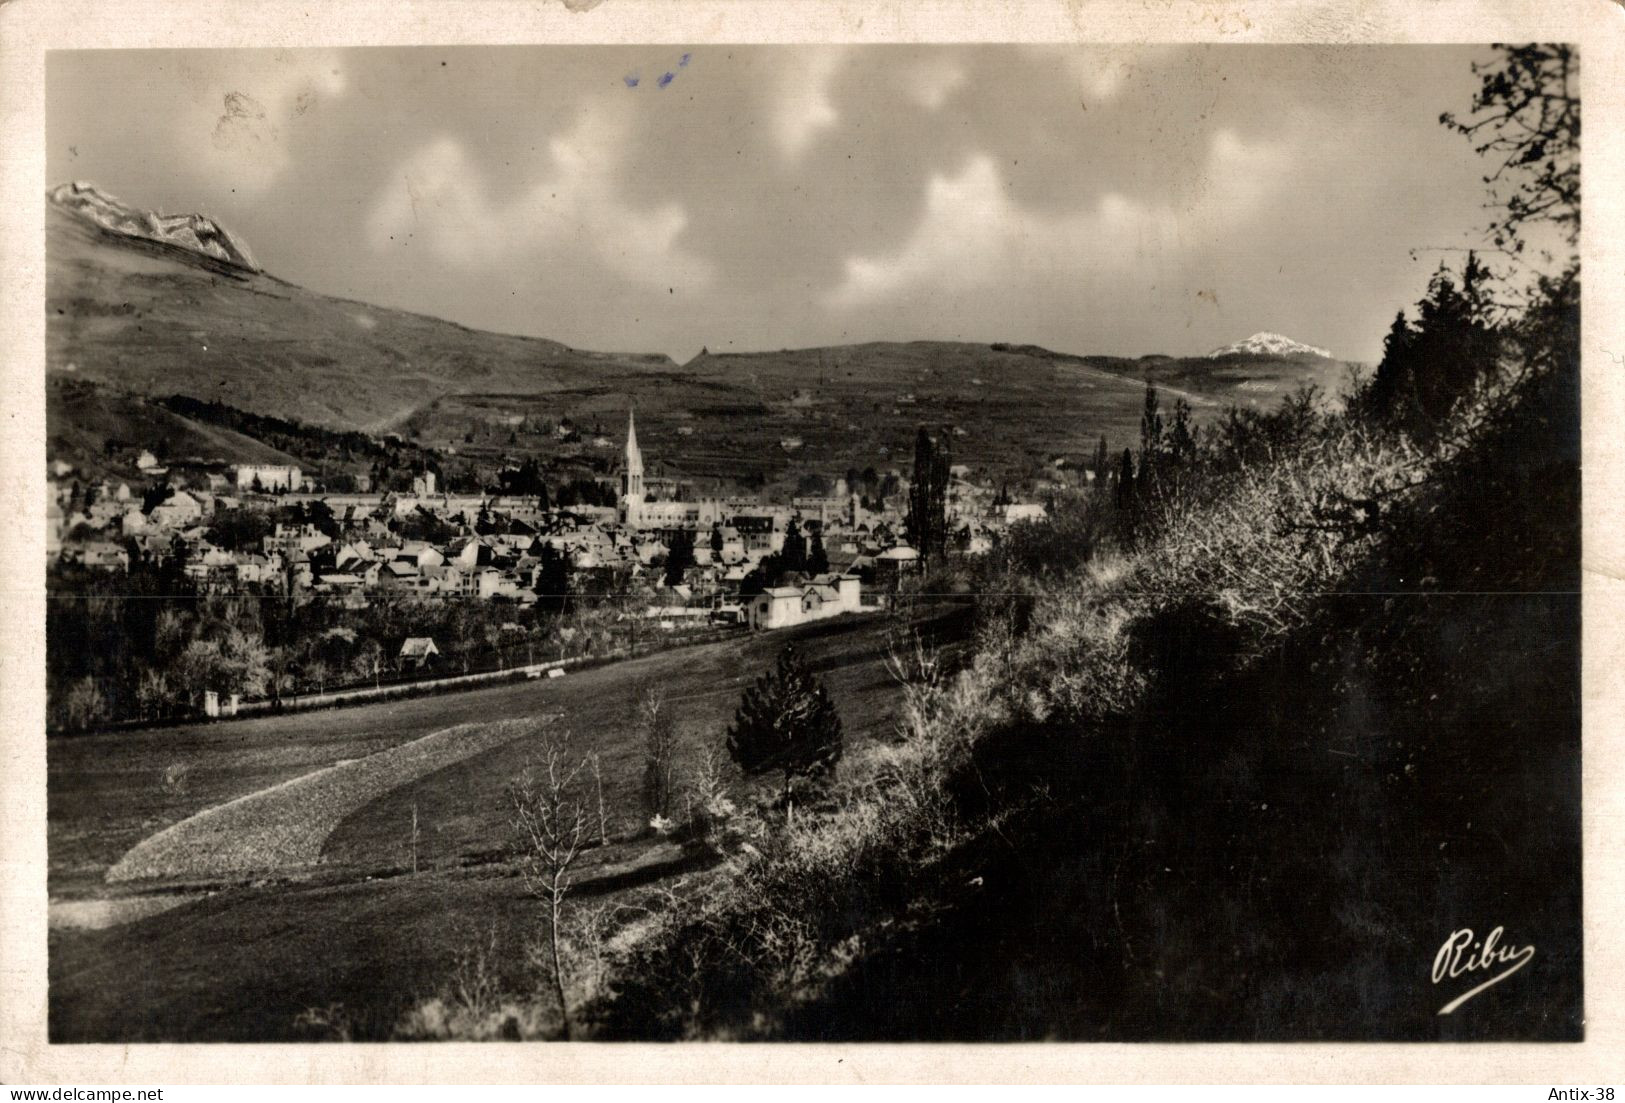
<point>439,197</point>
<point>247,103</point>
<point>972,234</point>
<point>1099,72</point>
<point>802,107</point>
<point>930,83</point>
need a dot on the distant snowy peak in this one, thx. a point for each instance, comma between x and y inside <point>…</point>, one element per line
<point>1268,344</point>
<point>196,233</point>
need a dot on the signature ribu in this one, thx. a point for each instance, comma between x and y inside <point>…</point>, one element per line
<point>1464,955</point>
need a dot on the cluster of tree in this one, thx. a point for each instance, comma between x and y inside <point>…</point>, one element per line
<point>679,556</point>
<point>1428,365</point>
<point>1167,459</point>
<point>1470,324</point>
<point>526,479</point>
<point>814,485</point>
<point>802,553</point>
<point>145,644</point>
<point>584,492</point>
<point>871,487</point>
<point>284,434</point>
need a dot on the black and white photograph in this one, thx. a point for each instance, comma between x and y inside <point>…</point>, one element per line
<point>816,543</point>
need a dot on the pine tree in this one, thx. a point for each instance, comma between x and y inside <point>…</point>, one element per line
<point>1394,372</point>
<point>1427,367</point>
<point>1150,443</point>
<point>786,724</point>
<point>553,579</point>
<point>1127,496</point>
<point>793,555</point>
<point>1182,437</point>
<point>1102,464</point>
<point>817,559</point>
<point>680,557</point>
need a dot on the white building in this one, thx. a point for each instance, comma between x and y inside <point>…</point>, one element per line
<point>1023,511</point>
<point>269,477</point>
<point>827,595</point>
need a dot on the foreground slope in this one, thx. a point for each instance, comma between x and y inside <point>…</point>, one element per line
<point>1240,784</point>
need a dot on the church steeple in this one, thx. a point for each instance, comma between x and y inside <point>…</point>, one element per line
<point>634,458</point>
<point>632,495</point>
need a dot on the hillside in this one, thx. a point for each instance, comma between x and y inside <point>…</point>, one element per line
<point>155,317</point>
<point>99,431</point>
<point>1234,756</point>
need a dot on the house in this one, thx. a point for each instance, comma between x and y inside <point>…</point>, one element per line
<point>417,652</point>
<point>180,510</point>
<point>444,579</point>
<point>419,554</point>
<point>398,574</point>
<point>826,595</point>
<point>469,553</point>
<point>895,562</point>
<point>104,555</point>
<point>256,569</point>
<point>776,607</point>
<point>291,539</point>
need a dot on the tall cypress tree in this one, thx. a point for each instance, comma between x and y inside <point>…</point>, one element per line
<point>927,520</point>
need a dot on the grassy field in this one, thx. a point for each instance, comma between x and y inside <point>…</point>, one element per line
<point>107,792</point>
<point>246,960</point>
<point>243,965</point>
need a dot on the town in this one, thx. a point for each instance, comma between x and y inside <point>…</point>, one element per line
<point>660,562</point>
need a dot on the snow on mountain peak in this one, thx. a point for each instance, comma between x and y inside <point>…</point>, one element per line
<point>1268,344</point>
<point>196,233</point>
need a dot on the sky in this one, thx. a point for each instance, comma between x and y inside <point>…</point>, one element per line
<point>1093,199</point>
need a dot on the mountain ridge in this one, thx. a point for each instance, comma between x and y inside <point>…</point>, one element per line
<point>1269,344</point>
<point>153,318</point>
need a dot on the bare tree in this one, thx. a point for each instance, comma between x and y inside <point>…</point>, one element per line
<point>1526,118</point>
<point>916,665</point>
<point>598,787</point>
<point>416,836</point>
<point>551,822</point>
<point>708,811</point>
<point>659,753</point>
